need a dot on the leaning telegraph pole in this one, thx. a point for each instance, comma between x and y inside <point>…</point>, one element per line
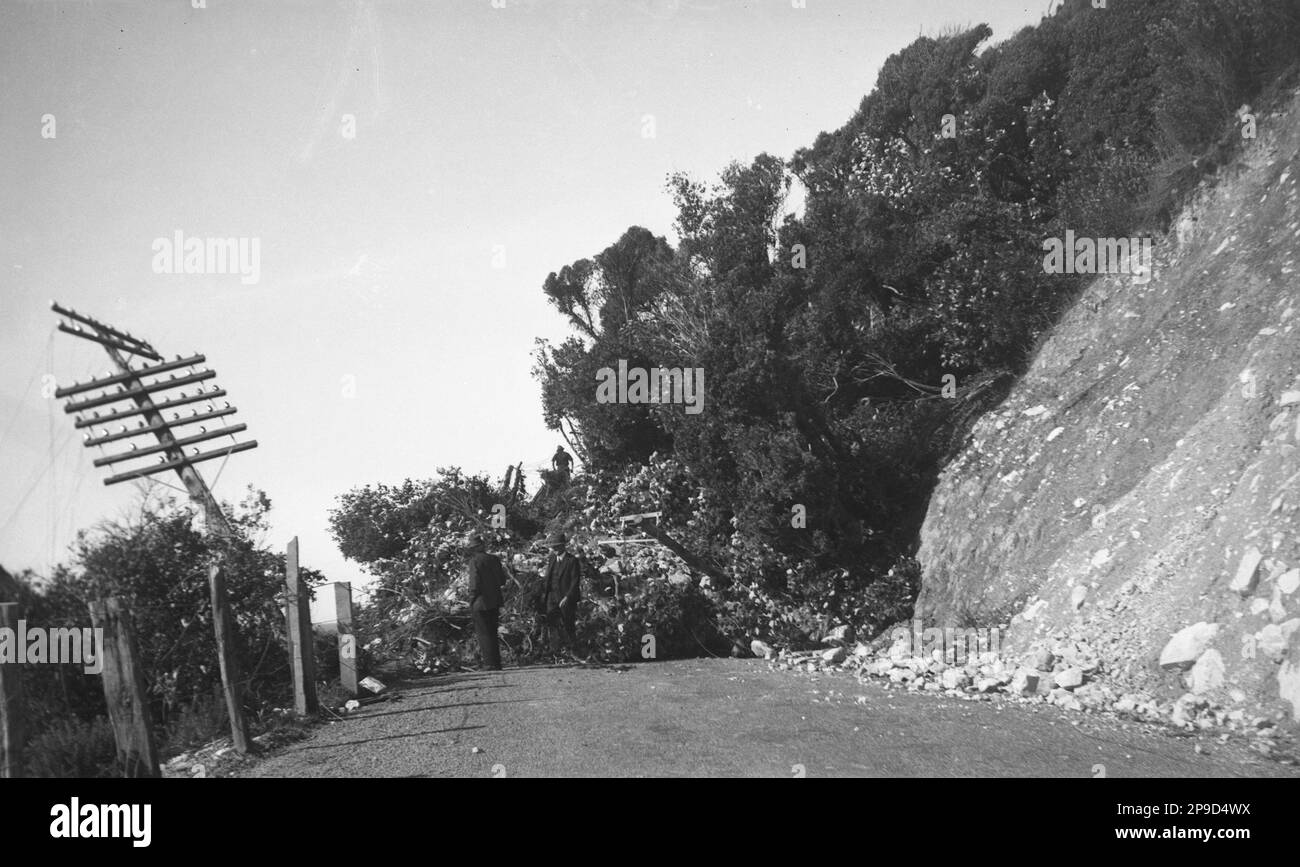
<point>150,417</point>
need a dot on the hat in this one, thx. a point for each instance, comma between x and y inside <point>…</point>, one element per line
<point>556,540</point>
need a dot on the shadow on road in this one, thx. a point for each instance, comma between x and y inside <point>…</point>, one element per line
<point>363,741</point>
<point>437,707</point>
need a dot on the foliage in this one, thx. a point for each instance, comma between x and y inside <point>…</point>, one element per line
<point>845,348</point>
<point>157,562</point>
<point>827,337</point>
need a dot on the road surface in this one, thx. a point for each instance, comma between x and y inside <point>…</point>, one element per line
<point>727,717</point>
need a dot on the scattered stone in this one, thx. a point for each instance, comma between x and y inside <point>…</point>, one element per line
<point>476,750</point>
<point>1128,703</point>
<point>1056,432</point>
<point>182,759</point>
<point>1070,678</point>
<point>1033,610</point>
<point>1024,682</point>
<point>1289,398</point>
<point>1095,695</point>
<point>862,651</point>
<point>1258,606</point>
<point>1290,628</point>
<point>1077,595</point>
<point>880,667</point>
<point>373,685</point>
<point>1187,644</point>
<point>1271,642</point>
<point>352,705</point>
<point>987,684</point>
<point>1208,672</point>
<point>1289,582</point>
<point>762,649</point>
<point>1184,710</point>
<point>1043,660</point>
<point>1247,572</point>
<point>1063,698</point>
<point>1288,687</point>
<point>953,678</point>
<point>835,655</point>
<point>840,635</point>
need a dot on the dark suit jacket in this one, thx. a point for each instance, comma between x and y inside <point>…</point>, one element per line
<point>563,580</point>
<point>486,578</point>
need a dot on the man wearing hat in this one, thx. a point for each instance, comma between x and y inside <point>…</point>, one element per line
<point>562,464</point>
<point>486,578</point>
<point>562,578</point>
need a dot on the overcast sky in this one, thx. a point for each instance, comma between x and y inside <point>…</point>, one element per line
<point>391,329</point>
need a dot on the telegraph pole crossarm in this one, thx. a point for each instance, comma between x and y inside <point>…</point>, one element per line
<point>130,386</point>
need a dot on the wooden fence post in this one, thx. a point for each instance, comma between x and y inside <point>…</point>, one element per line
<point>302,647</point>
<point>224,631</point>
<point>13,727</point>
<point>347,638</point>
<point>124,689</point>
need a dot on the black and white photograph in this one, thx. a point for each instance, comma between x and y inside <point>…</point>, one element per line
<point>649,389</point>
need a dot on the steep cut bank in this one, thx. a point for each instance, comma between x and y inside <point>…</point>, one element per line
<point>1136,499</point>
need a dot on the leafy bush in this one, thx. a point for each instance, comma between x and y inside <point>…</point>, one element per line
<point>157,562</point>
<point>680,617</point>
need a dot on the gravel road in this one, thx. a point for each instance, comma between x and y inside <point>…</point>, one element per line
<point>726,717</point>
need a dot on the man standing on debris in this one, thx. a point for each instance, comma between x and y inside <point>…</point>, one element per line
<point>562,463</point>
<point>562,579</point>
<point>486,578</point>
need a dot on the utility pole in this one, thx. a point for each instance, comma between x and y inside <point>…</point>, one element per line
<point>170,448</point>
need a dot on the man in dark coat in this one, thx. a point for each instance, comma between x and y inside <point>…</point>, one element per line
<point>563,579</point>
<point>486,578</point>
<point>562,463</point>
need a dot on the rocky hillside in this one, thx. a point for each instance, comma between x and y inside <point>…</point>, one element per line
<point>1138,493</point>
